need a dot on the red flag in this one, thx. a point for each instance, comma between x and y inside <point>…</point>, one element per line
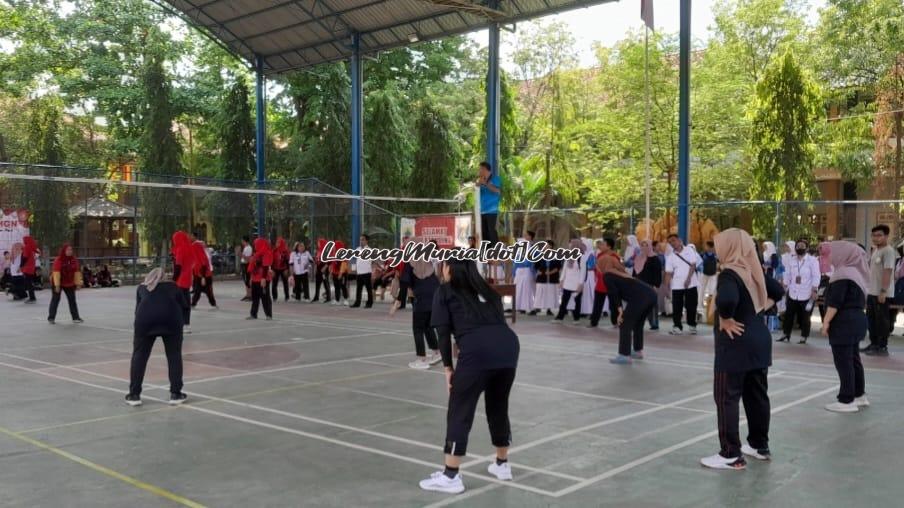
<point>646,13</point>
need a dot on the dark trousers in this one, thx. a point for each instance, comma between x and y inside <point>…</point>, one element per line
<point>340,287</point>
<point>599,299</point>
<point>30,286</point>
<point>632,325</point>
<point>686,300</point>
<point>877,317</point>
<point>488,225</point>
<point>18,287</point>
<point>420,325</point>
<point>186,312</point>
<point>467,385</point>
<point>141,351</point>
<point>576,313</point>
<point>260,294</point>
<point>403,295</point>
<point>206,288</point>
<point>321,280</point>
<point>246,277</point>
<point>797,310</point>
<point>850,372</point>
<point>653,318</point>
<point>728,389</point>
<point>301,285</point>
<point>280,275</point>
<point>55,303</point>
<point>363,281</point>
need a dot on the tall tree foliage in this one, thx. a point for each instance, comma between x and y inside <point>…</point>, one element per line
<point>785,111</point>
<point>232,213</point>
<point>162,210</point>
<point>388,143</point>
<point>46,201</point>
<point>435,170</point>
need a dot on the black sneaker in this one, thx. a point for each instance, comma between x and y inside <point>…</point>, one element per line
<point>77,321</point>
<point>549,313</point>
<point>533,313</point>
<point>882,351</point>
<point>867,349</point>
<point>369,306</point>
<point>133,400</point>
<point>177,398</point>
<point>51,321</point>
<point>784,339</point>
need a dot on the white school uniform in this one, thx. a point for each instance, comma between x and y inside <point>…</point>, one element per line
<point>525,287</point>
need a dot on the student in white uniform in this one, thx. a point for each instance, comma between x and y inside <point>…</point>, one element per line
<point>525,285</point>
<point>574,274</point>
<point>801,281</point>
<point>587,295</point>
<point>681,276</point>
<point>301,262</point>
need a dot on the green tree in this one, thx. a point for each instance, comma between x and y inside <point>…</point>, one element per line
<point>232,213</point>
<point>388,143</point>
<point>436,157</point>
<point>163,211</point>
<point>784,113</point>
<point>46,201</point>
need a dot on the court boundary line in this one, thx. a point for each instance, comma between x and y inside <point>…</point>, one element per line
<point>684,444</point>
<point>147,487</point>
<point>288,430</point>
<point>297,416</point>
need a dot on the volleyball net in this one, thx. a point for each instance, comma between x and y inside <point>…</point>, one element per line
<point>124,218</point>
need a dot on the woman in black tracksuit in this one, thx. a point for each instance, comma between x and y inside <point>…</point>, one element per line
<point>467,307</point>
<point>420,277</point>
<point>641,301</point>
<point>158,313</point>
<point>743,350</point>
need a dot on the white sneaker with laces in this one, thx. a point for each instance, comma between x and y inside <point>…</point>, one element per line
<point>439,482</point>
<point>676,331</point>
<point>693,330</point>
<point>750,451</point>
<point>719,462</point>
<point>861,401</point>
<point>434,358</point>
<point>840,407</point>
<point>420,364</point>
<point>501,472</point>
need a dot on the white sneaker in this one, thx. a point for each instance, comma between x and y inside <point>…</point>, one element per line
<point>750,451</point>
<point>420,364</point>
<point>336,303</point>
<point>676,331</point>
<point>719,462</point>
<point>501,472</point>
<point>186,330</point>
<point>839,407</point>
<point>861,401</point>
<point>434,358</point>
<point>439,482</point>
<point>692,330</point>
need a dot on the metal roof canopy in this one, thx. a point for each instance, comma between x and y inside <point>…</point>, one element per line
<point>295,34</point>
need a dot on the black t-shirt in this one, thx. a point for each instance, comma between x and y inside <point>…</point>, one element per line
<point>544,267</point>
<point>849,324</point>
<point>159,312</point>
<point>424,289</point>
<point>753,349</point>
<point>482,345</point>
<point>633,291</point>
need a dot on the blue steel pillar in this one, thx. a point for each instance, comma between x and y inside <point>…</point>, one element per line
<point>260,144</point>
<point>493,94</point>
<point>357,108</point>
<point>684,117</point>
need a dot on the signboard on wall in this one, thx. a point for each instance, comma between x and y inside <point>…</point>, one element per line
<point>447,230</point>
<point>13,226</point>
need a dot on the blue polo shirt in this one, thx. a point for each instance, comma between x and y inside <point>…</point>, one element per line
<point>489,200</point>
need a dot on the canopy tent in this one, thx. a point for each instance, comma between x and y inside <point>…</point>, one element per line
<point>294,34</point>
<point>100,208</point>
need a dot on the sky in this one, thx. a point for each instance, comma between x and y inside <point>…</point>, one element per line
<point>608,23</point>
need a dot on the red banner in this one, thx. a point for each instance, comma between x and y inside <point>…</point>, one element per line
<point>436,227</point>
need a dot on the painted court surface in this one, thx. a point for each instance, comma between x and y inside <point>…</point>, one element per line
<point>319,408</point>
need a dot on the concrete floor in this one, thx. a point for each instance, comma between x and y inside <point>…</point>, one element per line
<point>318,408</point>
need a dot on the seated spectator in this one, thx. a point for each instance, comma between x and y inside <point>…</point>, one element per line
<point>104,277</point>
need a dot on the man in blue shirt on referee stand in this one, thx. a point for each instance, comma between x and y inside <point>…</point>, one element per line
<point>490,187</point>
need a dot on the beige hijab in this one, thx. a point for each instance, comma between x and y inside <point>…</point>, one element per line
<point>736,251</point>
<point>153,278</point>
<point>422,269</point>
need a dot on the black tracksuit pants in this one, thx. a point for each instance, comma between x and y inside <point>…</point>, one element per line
<point>420,326</point>
<point>467,385</point>
<point>141,352</point>
<point>206,288</point>
<point>877,317</point>
<point>363,281</point>
<point>340,287</point>
<point>301,286</point>
<point>633,322</point>
<point>686,300</point>
<point>729,388</point>
<point>850,372</point>
<point>576,313</point>
<point>797,310</point>
<point>260,294</point>
<point>321,280</point>
<point>55,302</point>
<point>599,299</point>
<point>281,275</point>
